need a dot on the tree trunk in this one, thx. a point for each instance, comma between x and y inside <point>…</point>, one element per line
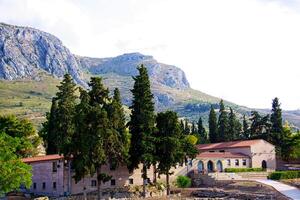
<point>98,183</point>
<point>155,174</point>
<point>168,184</point>
<point>144,179</point>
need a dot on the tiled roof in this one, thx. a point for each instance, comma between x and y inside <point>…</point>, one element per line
<point>224,145</point>
<point>42,158</point>
<point>221,155</point>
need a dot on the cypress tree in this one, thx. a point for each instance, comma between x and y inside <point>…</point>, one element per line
<point>141,125</point>
<point>201,132</point>
<point>246,131</point>
<point>187,129</point>
<point>276,120</point>
<point>212,123</point>
<point>169,143</point>
<point>234,126</point>
<point>223,131</point>
<point>194,129</point>
<point>63,122</point>
<point>182,125</point>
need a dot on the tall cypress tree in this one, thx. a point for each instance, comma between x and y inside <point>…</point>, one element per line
<point>223,132</point>
<point>61,121</point>
<point>212,123</point>
<point>201,132</point>
<point>246,131</point>
<point>48,131</point>
<point>194,129</point>
<point>187,129</point>
<point>234,126</point>
<point>141,125</point>
<point>276,120</point>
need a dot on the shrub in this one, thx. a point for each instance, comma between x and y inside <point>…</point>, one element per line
<point>244,170</point>
<point>284,175</point>
<point>183,182</point>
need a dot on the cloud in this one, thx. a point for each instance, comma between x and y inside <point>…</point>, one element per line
<point>246,51</point>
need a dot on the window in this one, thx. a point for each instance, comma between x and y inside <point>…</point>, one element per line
<point>237,162</point>
<point>44,185</point>
<point>54,167</point>
<point>211,151</point>
<point>222,151</point>
<point>54,185</point>
<point>244,162</point>
<point>94,183</point>
<point>228,162</point>
<point>131,181</point>
<point>34,186</point>
<point>112,182</point>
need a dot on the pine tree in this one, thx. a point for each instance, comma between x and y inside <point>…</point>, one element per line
<point>212,122</point>
<point>194,129</point>
<point>201,132</point>
<point>223,131</point>
<point>260,126</point>
<point>63,122</point>
<point>182,125</point>
<point>169,143</point>
<point>276,120</point>
<point>246,131</point>
<point>234,126</point>
<point>141,125</point>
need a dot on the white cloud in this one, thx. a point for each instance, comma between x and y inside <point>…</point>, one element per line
<point>245,51</point>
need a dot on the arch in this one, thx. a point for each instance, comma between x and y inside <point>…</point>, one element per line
<point>219,166</point>
<point>200,166</point>
<point>210,166</point>
<point>264,165</point>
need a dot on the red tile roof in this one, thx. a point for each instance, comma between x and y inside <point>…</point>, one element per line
<point>42,158</point>
<point>221,155</point>
<point>224,145</point>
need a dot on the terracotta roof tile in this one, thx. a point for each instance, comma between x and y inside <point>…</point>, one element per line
<point>224,145</point>
<point>42,158</point>
<point>221,155</point>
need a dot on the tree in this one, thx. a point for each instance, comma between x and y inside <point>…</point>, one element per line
<point>201,132</point>
<point>169,143</point>
<point>24,131</point>
<point>14,172</point>
<point>194,129</point>
<point>260,126</point>
<point>276,120</point>
<point>234,126</point>
<point>141,125</point>
<point>246,131</point>
<point>223,131</point>
<point>212,123</point>
<point>48,131</point>
<point>187,129</point>
<point>290,144</point>
<point>182,125</point>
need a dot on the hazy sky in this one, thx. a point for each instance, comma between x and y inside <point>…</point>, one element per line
<point>245,51</point>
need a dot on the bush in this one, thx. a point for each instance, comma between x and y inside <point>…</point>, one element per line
<point>244,170</point>
<point>284,175</point>
<point>183,182</point>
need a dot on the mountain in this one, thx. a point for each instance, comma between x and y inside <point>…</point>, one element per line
<point>32,63</point>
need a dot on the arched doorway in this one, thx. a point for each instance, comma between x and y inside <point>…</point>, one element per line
<point>264,165</point>
<point>219,166</point>
<point>210,166</point>
<point>200,166</point>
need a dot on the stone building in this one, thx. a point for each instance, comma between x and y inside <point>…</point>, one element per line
<point>238,154</point>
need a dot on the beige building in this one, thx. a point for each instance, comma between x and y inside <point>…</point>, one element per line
<point>238,154</point>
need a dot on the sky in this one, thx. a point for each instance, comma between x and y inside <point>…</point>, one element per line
<point>244,51</point>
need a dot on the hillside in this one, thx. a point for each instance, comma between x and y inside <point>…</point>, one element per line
<point>32,63</point>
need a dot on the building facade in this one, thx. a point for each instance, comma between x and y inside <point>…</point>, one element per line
<point>217,157</point>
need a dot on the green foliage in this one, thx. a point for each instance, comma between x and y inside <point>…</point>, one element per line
<point>290,144</point>
<point>278,175</point>
<point>24,131</point>
<point>244,169</point>
<point>223,133</point>
<point>276,120</point>
<point>201,132</point>
<point>13,172</point>
<point>212,122</point>
<point>183,182</point>
<point>187,129</point>
<point>192,139</point>
<point>235,126</point>
<point>246,132</point>
<point>168,145</point>
<point>260,126</point>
